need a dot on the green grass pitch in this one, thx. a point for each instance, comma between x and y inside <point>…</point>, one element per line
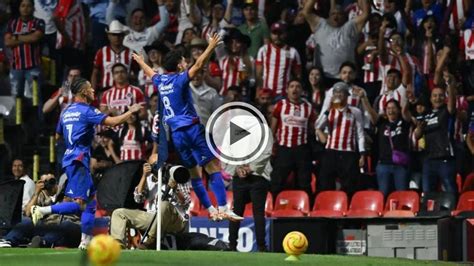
<point>66,257</point>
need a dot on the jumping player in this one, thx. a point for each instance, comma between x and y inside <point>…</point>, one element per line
<point>186,130</point>
<point>76,126</point>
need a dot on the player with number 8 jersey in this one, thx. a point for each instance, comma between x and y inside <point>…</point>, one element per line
<point>176,98</point>
<point>186,130</point>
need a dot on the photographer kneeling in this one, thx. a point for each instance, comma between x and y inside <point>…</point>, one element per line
<point>173,208</point>
<point>53,229</point>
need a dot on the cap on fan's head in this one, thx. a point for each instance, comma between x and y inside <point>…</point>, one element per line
<point>250,3</point>
<point>341,87</point>
<point>265,91</point>
<point>278,27</point>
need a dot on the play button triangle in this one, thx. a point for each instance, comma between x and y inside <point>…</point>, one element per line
<point>237,133</point>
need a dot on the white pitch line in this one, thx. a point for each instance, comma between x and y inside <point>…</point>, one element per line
<point>36,254</point>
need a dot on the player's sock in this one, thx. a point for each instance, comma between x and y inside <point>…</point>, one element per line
<point>201,192</point>
<point>87,218</point>
<point>217,186</point>
<point>65,208</point>
<point>86,238</point>
<point>44,210</point>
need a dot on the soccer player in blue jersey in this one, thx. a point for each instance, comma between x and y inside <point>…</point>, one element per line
<point>76,125</point>
<point>186,130</point>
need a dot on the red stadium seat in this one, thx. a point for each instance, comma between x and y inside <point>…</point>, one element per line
<point>330,204</point>
<point>406,204</point>
<point>248,212</point>
<point>465,203</point>
<point>366,204</point>
<point>468,183</point>
<point>291,203</point>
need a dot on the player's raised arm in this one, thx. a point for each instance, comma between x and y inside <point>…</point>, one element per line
<point>214,41</point>
<point>117,120</point>
<point>149,72</point>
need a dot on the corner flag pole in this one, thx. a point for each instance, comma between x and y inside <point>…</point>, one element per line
<point>162,157</point>
<point>158,209</point>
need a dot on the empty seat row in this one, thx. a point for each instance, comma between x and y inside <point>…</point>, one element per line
<point>367,204</point>
<point>364,204</point>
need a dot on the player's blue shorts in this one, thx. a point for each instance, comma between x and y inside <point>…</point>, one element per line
<point>79,181</point>
<point>191,146</point>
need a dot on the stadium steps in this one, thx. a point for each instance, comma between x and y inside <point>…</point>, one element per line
<point>42,149</point>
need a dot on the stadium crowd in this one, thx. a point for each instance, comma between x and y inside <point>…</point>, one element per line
<point>359,94</point>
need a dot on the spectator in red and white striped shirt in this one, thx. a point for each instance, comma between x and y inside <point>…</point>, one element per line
<point>457,10</point>
<point>109,55</point>
<point>372,67</point>
<point>292,122</point>
<point>396,89</point>
<point>62,97</point>
<point>276,62</point>
<point>70,39</point>
<point>117,99</point>
<point>23,36</point>
<point>155,54</point>
<point>347,73</point>
<point>236,65</point>
<point>393,55</point>
<point>466,44</point>
<point>133,140</point>
<point>345,142</point>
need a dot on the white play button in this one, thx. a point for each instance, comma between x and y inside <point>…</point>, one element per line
<point>237,133</point>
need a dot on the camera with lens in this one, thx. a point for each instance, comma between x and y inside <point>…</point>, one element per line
<point>49,184</point>
<point>177,173</point>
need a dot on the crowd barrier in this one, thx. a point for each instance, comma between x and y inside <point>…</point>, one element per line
<point>424,238</point>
